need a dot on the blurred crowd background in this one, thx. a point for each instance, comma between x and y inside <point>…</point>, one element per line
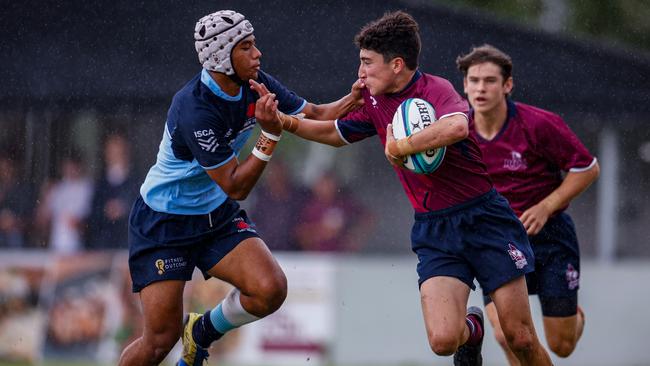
<point>79,209</point>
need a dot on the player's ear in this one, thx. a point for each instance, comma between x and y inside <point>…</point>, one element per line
<point>397,64</point>
<point>465,84</point>
<point>508,85</point>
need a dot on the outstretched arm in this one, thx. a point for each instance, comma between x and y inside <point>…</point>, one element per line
<point>337,109</point>
<point>573,184</point>
<point>323,131</point>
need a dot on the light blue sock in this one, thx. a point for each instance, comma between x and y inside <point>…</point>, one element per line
<point>219,321</point>
<point>230,313</point>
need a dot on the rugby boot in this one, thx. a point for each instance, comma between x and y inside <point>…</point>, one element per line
<point>193,354</point>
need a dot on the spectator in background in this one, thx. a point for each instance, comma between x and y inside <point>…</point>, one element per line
<point>65,206</point>
<point>15,203</point>
<point>330,220</point>
<point>277,201</point>
<point>114,192</point>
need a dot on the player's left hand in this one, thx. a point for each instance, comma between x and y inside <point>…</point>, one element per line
<point>535,218</point>
<point>259,88</point>
<point>355,92</point>
<point>266,114</point>
<point>390,139</point>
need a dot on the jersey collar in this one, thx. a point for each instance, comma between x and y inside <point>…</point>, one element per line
<point>414,79</point>
<point>512,112</point>
<point>207,80</point>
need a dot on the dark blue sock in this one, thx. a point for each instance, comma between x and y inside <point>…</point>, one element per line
<point>203,331</point>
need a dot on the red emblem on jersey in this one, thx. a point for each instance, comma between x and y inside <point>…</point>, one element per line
<point>250,111</point>
<point>241,225</point>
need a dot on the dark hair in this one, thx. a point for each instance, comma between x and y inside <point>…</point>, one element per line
<point>395,34</point>
<point>482,54</point>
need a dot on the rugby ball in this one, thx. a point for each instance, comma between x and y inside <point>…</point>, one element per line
<point>413,116</point>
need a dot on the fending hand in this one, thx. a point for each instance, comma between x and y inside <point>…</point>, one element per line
<point>355,92</point>
<point>259,88</point>
<point>266,114</point>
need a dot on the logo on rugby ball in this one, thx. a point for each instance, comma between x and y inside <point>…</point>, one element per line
<point>411,117</point>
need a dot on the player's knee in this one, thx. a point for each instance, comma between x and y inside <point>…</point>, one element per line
<point>442,345</point>
<point>161,343</point>
<point>562,347</point>
<point>520,341</point>
<point>272,293</point>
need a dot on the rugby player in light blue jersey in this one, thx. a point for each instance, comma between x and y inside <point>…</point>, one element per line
<point>187,215</point>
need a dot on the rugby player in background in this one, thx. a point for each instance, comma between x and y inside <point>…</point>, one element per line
<point>527,150</point>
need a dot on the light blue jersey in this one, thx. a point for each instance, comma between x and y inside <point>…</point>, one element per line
<point>205,129</point>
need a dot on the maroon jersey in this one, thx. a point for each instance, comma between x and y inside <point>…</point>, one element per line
<point>462,174</point>
<point>527,157</point>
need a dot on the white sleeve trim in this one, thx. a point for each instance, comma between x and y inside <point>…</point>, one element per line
<point>336,124</point>
<point>578,170</point>
<point>453,114</point>
<point>302,106</point>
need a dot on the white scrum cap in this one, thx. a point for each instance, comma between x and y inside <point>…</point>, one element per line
<point>216,34</point>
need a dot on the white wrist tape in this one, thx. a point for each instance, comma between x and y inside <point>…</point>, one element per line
<point>260,155</point>
<point>275,138</point>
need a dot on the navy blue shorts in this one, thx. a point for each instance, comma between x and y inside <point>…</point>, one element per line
<point>167,247</point>
<point>482,239</point>
<point>557,267</point>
